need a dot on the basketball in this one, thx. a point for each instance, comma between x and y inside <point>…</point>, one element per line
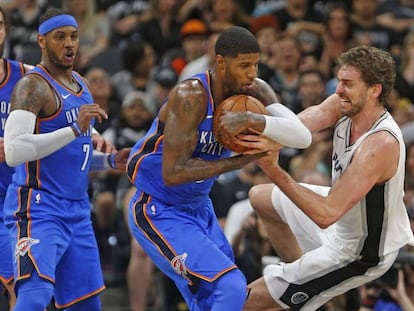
<point>235,103</point>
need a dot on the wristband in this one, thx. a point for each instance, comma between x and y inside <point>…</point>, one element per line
<point>76,129</point>
<point>111,160</point>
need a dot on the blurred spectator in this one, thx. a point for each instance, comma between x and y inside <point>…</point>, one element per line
<point>285,62</point>
<point>312,90</point>
<point>204,62</point>
<point>404,81</point>
<point>241,208</point>
<point>163,80</point>
<point>94,30</point>
<point>301,20</point>
<point>24,23</point>
<point>398,15</point>
<point>162,30</point>
<point>135,119</point>
<point>337,38</point>
<point>113,241</point>
<point>104,96</point>
<point>315,158</point>
<point>368,31</point>
<point>266,29</point>
<point>250,245</point>
<point>226,13</point>
<point>138,62</point>
<point>193,35</point>
<point>409,175</point>
<point>124,18</point>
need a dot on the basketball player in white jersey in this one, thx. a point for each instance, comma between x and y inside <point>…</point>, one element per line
<point>338,238</point>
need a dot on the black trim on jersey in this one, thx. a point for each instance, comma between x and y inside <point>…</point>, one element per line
<point>25,263</point>
<point>32,171</point>
<point>375,209</point>
<point>153,236</point>
<point>148,147</point>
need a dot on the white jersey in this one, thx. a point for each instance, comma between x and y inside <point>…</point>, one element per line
<point>378,224</point>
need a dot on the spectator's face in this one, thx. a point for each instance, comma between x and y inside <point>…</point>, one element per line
<point>312,88</point>
<point>99,83</point>
<point>194,47</point>
<point>338,25</point>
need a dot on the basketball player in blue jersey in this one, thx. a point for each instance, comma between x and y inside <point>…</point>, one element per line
<point>10,72</point>
<point>334,239</point>
<point>174,166</point>
<point>48,138</point>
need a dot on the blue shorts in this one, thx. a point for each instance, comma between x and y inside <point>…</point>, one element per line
<point>189,246</point>
<point>6,257</point>
<point>55,237</point>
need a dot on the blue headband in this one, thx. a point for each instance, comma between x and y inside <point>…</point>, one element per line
<point>56,22</point>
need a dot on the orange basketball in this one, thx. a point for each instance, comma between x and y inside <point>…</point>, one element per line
<point>235,103</point>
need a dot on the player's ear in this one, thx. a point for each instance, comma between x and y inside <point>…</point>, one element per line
<point>41,41</point>
<point>220,62</point>
<point>376,90</point>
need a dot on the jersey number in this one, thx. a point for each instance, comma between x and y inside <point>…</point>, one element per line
<point>86,149</point>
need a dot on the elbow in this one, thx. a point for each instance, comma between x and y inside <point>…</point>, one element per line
<point>8,155</point>
<point>303,138</point>
<point>170,180</point>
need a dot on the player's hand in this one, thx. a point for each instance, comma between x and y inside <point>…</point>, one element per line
<point>233,123</point>
<point>257,143</point>
<point>102,145</point>
<point>121,158</point>
<point>89,112</point>
<point>2,156</point>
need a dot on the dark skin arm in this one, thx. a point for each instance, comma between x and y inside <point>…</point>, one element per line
<point>32,93</point>
<point>186,108</point>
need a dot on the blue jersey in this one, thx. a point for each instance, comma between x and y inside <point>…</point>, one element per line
<point>13,72</point>
<point>145,161</point>
<point>63,173</point>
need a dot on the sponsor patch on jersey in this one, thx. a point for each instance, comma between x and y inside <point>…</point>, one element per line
<point>299,297</point>
<point>23,246</point>
<point>178,264</point>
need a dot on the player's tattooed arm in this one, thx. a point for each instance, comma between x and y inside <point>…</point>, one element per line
<point>186,108</point>
<point>33,93</point>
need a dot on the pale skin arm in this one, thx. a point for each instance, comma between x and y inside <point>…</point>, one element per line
<point>374,162</point>
<point>182,115</point>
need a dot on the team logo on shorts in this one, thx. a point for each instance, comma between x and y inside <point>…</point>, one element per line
<point>299,297</point>
<point>23,246</point>
<point>178,264</point>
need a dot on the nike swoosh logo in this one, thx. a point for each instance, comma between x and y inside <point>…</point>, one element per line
<point>337,135</point>
<point>65,96</point>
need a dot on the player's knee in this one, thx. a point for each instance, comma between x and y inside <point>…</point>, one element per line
<point>34,296</point>
<point>231,287</point>
<point>260,198</point>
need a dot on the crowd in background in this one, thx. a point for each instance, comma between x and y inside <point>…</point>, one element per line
<point>134,52</point>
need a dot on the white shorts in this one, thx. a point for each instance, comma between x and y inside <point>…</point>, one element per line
<point>323,272</point>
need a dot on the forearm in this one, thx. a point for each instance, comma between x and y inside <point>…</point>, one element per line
<point>284,127</point>
<point>196,169</point>
<point>21,145</point>
<point>312,204</point>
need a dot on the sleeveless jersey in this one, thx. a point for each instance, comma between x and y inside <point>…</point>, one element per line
<point>378,224</point>
<point>64,172</point>
<point>144,165</point>
<point>14,71</point>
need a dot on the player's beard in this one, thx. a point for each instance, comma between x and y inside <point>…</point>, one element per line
<point>54,59</point>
